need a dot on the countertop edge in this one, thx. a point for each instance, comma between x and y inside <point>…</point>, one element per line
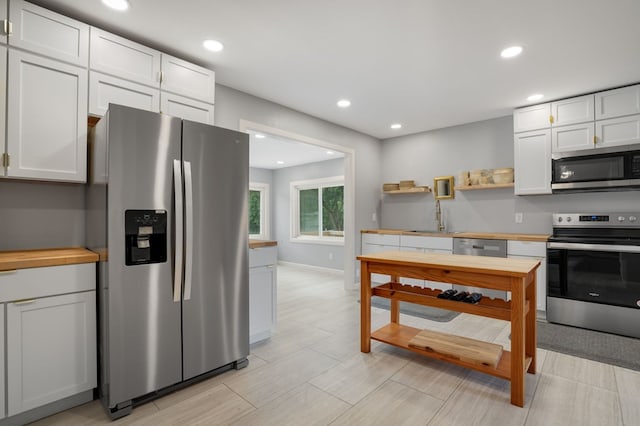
<point>486,235</point>
<point>262,243</point>
<point>24,259</point>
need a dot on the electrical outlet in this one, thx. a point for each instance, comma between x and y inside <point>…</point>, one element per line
<point>519,217</point>
<point>374,217</point>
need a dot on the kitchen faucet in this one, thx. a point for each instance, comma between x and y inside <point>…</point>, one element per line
<point>439,217</point>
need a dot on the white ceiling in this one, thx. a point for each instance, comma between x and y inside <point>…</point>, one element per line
<point>277,152</point>
<point>424,63</point>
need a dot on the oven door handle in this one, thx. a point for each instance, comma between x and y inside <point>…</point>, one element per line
<point>594,247</point>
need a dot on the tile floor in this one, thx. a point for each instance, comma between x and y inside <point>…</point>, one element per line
<point>313,373</point>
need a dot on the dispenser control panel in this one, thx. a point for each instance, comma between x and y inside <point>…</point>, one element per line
<point>145,236</point>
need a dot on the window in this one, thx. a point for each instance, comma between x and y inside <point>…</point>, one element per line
<point>317,210</point>
<point>258,211</point>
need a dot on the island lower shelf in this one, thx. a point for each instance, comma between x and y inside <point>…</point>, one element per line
<point>399,335</point>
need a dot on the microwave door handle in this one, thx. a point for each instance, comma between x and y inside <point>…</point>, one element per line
<point>594,247</point>
<point>188,260</point>
<point>179,223</point>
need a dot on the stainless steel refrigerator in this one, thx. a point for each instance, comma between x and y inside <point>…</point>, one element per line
<point>167,204</point>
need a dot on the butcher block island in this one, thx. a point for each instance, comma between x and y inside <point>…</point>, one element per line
<point>517,276</point>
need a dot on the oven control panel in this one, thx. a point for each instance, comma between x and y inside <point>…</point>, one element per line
<point>597,220</point>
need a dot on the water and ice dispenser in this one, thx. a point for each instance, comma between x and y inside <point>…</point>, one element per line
<point>146,236</point>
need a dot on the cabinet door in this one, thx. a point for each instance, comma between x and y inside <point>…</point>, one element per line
<point>618,102</point>
<point>573,110</point>
<point>532,162</point>
<point>2,350</point>
<point>262,302</point>
<point>3,103</point>
<point>186,79</point>
<point>47,119</point>
<point>572,138</point>
<point>124,58</point>
<point>51,349</point>
<point>4,16</point>
<point>531,118</point>
<point>105,89</point>
<point>186,108</point>
<point>541,280</point>
<point>618,131</point>
<point>42,31</point>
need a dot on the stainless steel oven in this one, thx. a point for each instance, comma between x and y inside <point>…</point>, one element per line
<point>593,272</point>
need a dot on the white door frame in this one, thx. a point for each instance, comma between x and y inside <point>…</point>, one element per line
<point>349,191</point>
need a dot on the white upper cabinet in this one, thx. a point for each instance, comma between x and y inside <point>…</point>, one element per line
<point>572,138</point>
<point>186,108</point>
<point>572,111</point>
<point>4,17</point>
<point>532,162</point>
<point>3,101</point>
<point>186,79</point>
<point>618,131</point>
<point>117,56</point>
<point>618,102</point>
<point>46,119</point>
<point>105,89</point>
<point>47,33</point>
<point>531,118</point>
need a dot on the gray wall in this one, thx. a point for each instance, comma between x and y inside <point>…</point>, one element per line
<point>296,252</point>
<point>233,106</point>
<point>485,144</point>
<point>41,215</point>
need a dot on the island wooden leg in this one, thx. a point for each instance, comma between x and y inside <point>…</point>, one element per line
<point>365,307</point>
<point>517,341</point>
<point>395,304</point>
<point>530,336</point>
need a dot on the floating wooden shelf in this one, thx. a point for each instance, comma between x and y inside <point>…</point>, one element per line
<point>414,190</point>
<point>484,186</point>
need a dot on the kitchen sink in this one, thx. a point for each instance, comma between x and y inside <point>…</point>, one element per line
<point>433,231</point>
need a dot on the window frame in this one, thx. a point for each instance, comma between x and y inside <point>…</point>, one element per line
<point>294,201</point>
<point>263,188</point>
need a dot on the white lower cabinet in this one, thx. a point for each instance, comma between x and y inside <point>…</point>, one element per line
<point>426,244</point>
<point>50,341</point>
<point>262,292</point>
<point>377,243</point>
<point>51,349</point>
<point>537,251</point>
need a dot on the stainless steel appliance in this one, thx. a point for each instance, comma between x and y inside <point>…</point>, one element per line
<point>481,247</point>
<point>601,172</point>
<point>593,271</point>
<point>167,210</point>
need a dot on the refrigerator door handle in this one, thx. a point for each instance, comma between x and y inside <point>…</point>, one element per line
<point>177,275</point>
<point>188,268</point>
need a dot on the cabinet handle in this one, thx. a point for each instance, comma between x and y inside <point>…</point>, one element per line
<point>551,119</point>
<point>8,27</point>
<point>595,140</point>
<point>24,302</point>
<point>9,271</point>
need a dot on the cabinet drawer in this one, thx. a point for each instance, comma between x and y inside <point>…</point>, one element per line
<point>381,239</point>
<point>526,248</point>
<point>440,243</point>
<point>124,58</point>
<point>263,256</point>
<point>46,281</point>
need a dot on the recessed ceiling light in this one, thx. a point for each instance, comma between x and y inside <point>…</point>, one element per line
<point>535,97</point>
<point>511,52</point>
<point>344,103</point>
<point>396,126</point>
<point>329,152</point>
<point>280,162</point>
<point>260,136</point>
<point>117,4</point>
<point>213,45</point>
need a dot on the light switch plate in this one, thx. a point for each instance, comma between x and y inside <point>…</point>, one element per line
<point>519,217</point>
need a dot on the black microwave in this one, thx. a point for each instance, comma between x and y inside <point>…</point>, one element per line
<point>600,172</point>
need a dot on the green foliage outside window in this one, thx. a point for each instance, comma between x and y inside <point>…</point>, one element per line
<point>254,212</point>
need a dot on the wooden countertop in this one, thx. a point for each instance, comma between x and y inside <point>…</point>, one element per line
<point>262,243</point>
<point>457,262</point>
<point>21,259</point>
<point>487,235</point>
